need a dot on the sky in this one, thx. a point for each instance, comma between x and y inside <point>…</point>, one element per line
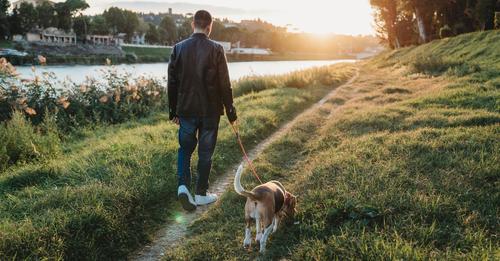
<point>313,16</point>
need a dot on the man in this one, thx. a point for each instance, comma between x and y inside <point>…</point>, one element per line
<point>198,90</point>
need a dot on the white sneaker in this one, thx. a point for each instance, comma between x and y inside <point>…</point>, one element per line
<point>185,198</point>
<point>205,200</point>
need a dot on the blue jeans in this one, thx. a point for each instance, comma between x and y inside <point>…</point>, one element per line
<point>193,130</point>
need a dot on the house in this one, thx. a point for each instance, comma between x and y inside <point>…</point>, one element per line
<point>52,36</point>
<point>101,39</point>
<point>252,51</point>
<point>138,38</point>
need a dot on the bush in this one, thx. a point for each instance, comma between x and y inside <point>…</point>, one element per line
<point>445,31</point>
<point>21,142</point>
<point>255,84</point>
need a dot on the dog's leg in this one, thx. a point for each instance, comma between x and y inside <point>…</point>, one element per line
<point>276,222</point>
<point>258,227</point>
<point>265,236</point>
<point>248,233</point>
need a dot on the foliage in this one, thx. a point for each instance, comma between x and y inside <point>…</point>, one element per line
<point>395,20</point>
<point>167,31</point>
<point>152,35</point>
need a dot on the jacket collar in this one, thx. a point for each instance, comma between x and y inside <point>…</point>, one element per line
<point>199,35</point>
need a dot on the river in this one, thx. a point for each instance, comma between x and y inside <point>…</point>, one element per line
<point>77,73</point>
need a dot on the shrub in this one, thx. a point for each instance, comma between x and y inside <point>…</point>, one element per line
<point>255,84</point>
<point>21,142</point>
<point>445,31</point>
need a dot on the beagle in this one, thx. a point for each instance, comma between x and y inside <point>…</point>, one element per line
<point>266,204</point>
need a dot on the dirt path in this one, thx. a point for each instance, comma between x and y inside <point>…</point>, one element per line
<point>169,235</point>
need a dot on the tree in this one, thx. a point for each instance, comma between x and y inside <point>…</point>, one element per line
<point>485,14</point>
<point>4,21</point>
<point>28,17</point>
<point>47,16</point>
<point>99,26</point>
<point>131,23</point>
<point>152,36</point>
<point>66,10</point>
<point>386,21</point>
<point>168,31</point>
<point>15,22</point>
<point>115,19</point>
<point>81,26</point>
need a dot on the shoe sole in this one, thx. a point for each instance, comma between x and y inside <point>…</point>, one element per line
<point>183,198</point>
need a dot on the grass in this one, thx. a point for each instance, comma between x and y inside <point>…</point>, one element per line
<point>6,44</point>
<point>112,186</point>
<point>403,164</point>
<point>149,54</point>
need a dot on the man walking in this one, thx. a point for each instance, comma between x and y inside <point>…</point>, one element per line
<point>198,91</point>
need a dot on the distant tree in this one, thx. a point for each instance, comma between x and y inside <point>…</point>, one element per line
<point>485,14</point>
<point>4,21</point>
<point>386,14</point>
<point>168,31</point>
<point>115,19</point>
<point>15,22</point>
<point>47,16</point>
<point>143,27</point>
<point>81,26</point>
<point>152,36</point>
<point>99,26</point>
<point>66,10</point>
<point>28,17</point>
<point>131,23</point>
<point>185,30</point>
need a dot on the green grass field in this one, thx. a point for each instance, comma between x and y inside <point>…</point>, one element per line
<point>149,54</point>
<point>112,186</point>
<point>403,164</point>
<point>6,44</point>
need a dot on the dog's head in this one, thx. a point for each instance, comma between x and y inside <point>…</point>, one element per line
<point>290,204</point>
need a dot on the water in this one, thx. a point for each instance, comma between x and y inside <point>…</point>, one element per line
<point>77,73</point>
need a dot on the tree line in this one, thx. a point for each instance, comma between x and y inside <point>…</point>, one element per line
<point>166,28</point>
<point>407,22</point>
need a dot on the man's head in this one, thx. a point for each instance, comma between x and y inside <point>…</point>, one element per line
<point>202,22</point>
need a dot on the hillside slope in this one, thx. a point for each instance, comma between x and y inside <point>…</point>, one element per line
<point>403,164</point>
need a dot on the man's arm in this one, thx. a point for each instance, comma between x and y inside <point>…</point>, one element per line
<point>173,84</point>
<point>225,85</point>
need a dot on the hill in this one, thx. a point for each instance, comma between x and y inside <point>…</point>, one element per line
<point>402,164</point>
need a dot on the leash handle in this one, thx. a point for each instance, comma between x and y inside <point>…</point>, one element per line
<point>245,153</point>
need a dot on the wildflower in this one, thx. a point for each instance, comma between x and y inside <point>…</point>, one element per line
<point>63,101</point>
<point>83,88</point>
<point>108,61</point>
<point>33,69</point>
<point>103,99</point>
<point>42,59</point>
<point>156,93</point>
<point>131,88</point>
<point>117,96</point>
<point>30,111</point>
<point>142,82</point>
<point>21,101</point>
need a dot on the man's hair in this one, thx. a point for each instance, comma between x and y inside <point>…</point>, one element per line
<point>202,19</point>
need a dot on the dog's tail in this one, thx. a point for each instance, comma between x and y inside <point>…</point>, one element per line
<point>237,185</point>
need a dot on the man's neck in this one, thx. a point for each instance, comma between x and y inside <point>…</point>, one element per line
<point>199,31</point>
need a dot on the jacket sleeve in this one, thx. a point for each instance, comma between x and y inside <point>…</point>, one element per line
<point>225,85</point>
<point>172,86</point>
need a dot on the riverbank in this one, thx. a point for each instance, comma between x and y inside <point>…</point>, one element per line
<point>111,186</point>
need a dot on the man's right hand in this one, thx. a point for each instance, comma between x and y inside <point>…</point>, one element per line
<point>175,120</point>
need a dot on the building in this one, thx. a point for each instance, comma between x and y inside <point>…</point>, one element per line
<point>51,35</point>
<point>101,39</point>
<point>35,3</point>
<point>252,51</point>
<point>138,38</point>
